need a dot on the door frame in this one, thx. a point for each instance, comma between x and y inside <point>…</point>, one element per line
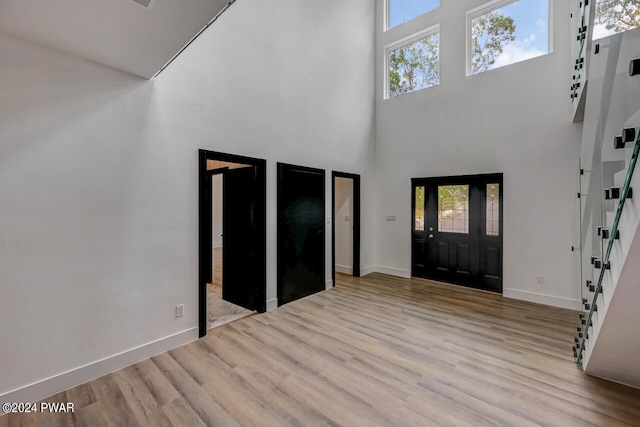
<point>279,168</point>
<point>461,179</point>
<point>356,222</point>
<point>205,228</point>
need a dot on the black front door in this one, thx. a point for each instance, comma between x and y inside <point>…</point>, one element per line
<point>240,238</point>
<point>457,230</point>
<point>301,238</point>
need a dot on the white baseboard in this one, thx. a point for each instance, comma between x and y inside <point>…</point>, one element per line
<point>57,383</point>
<point>367,270</point>
<point>551,300</point>
<point>217,245</point>
<point>328,284</point>
<point>344,269</point>
<point>272,304</point>
<point>393,271</point>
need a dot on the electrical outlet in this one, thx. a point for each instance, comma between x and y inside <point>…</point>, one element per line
<point>539,279</point>
<point>180,310</point>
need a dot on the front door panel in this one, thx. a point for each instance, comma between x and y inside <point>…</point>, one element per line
<point>457,233</point>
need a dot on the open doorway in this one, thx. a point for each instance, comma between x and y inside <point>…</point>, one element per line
<point>346,224</point>
<point>232,238</point>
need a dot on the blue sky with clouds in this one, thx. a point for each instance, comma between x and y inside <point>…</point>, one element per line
<point>405,10</point>
<point>531,18</point>
<point>532,31</point>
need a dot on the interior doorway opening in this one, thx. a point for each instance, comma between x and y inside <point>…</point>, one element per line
<point>221,310</point>
<point>232,238</point>
<point>345,224</point>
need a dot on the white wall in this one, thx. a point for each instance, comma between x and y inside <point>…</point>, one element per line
<point>216,210</point>
<point>515,120</point>
<point>344,225</point>
<point>99,178</point>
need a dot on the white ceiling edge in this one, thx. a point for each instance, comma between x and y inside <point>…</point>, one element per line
<point>116,33</point>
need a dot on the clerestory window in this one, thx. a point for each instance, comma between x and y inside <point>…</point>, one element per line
<point>504,32</point>
<point>413,63</point>
<point>615,16</point>
<point>400,11</point>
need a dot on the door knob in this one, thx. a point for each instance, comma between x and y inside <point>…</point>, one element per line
<point>430,228</point>
<point>431,236</point>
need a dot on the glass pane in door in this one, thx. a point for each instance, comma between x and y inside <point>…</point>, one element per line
<point>493,209</point>
<point>453,208</point>
<point>419,210</point>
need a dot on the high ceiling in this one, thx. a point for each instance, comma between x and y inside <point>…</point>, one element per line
<point>117,33</point>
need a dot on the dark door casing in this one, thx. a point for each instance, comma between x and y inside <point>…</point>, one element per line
<point>301,233</point>
<point>470,256</point>
<point>254,212</point>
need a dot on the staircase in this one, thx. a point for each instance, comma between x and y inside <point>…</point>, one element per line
<point>607,343</point>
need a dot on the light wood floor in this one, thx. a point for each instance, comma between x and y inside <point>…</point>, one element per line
<point>376,351</point>
<point>219,311</point>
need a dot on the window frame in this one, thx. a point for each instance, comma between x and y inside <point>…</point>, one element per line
<point>386,25</point>
<point>413,37</point>
<point>489,7</point>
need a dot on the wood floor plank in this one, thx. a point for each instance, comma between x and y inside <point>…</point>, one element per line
<point>207,409</point>
<point>156,382</point>
<point>373,351</point>
<point>144,406</point>
<point>56,419</point>
<point>115,408</point>
<point>179,413</point>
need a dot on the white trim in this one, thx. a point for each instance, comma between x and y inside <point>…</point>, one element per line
<point>272,304</point>
<point>367,270</point>
<point>66,380</point>
<point>385,15</point>
<point>344,269</point>
<point>393,271</point>
<point>217,245</point>
<point>488,7</point>
<point>550,27</point>
<point>427,32</point>
<point>551,300</point>
<point>497,4</point>
<point>597,375</point>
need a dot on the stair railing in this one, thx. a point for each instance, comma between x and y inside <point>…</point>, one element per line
<point>604,264</point>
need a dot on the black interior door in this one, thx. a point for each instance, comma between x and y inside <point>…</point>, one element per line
<point>240,238</point>
<point>301,238</point>
<point>457,230</point>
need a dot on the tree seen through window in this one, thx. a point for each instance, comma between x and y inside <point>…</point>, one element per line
<point>414,66</point>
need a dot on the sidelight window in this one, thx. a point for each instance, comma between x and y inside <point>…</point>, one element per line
<point>493,210</point>
<point>419,209</point>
